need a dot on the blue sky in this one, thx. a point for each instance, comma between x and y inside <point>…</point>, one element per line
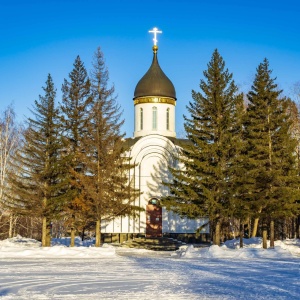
<point>41,37</point>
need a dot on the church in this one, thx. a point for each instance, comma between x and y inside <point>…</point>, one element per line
<point>153,148</point>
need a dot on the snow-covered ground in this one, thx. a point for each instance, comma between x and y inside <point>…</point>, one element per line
<point>28,271</point>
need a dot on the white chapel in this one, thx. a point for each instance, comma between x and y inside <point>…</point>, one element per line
<point>153,148</point>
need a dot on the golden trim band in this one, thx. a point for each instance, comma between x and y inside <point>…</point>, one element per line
<point>154,99</point>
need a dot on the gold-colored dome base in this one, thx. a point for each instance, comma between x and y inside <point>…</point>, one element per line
<point>155,99</point>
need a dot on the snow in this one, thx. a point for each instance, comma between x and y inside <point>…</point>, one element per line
<point>28,271</point>
<point>252,249</point>
<point>19,247</point>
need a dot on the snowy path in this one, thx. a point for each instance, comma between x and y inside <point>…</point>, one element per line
<point>149,276</point>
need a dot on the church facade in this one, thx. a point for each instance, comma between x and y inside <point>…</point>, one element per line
<point>153,148</point>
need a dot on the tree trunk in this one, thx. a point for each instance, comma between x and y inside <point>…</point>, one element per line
<point>217,233</point>
<point>241,234</point>
<point>72,243</point>
<point>11,225</point>
<point>98,233</point>
<point>44,232</point>
<point>293,228</point>
<point>14,225</point>
<point>30,228</point>
<point>265,246</point>
<point>254,227</point>
<point>298,228</point>
<point>48,236</point>
<point>272,234</point>
<point>247,234</point>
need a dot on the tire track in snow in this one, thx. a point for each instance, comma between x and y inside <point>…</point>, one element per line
<point>113,276</point>
<point>144,276</point>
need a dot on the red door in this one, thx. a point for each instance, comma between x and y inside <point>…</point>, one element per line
<point>153,221</point>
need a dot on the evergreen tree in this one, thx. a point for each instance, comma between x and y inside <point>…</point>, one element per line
<point>204,188</point>
<point>293,110</point>
<point>237,208</point>
<point>36,179</point>
<point>76,115</point>
<point>269,159</point>
<point>106,184</point>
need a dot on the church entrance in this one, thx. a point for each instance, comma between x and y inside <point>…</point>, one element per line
<point>153,219</point>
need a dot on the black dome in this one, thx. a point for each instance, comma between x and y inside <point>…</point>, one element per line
<point>155,82</point>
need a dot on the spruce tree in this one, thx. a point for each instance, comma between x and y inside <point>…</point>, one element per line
<point>106,184</point>
<point>237,208</point>
<point>269,158</point>
<point>293,110</point>
<point>76,115</point>
<point>36,179</point>
<point>203,188</point>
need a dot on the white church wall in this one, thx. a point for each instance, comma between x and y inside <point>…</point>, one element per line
<point>173,223</point>
<point>152,155</point>
<point>161,119</point>
<point>111,226</point>
<point>124,224</point>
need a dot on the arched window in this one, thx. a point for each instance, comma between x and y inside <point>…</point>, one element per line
<point>154,118</point>
<point>168,119</point>
<point>141,119</point>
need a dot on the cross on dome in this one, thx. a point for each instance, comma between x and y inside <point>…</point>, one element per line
<point>155,31</point>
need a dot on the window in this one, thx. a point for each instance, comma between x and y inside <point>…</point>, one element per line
<point>168,119</point>
<point>154,118</point>
<point>154,201</point>
<point>141,119</point>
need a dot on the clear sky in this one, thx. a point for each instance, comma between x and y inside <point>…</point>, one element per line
<point>38,37</point>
